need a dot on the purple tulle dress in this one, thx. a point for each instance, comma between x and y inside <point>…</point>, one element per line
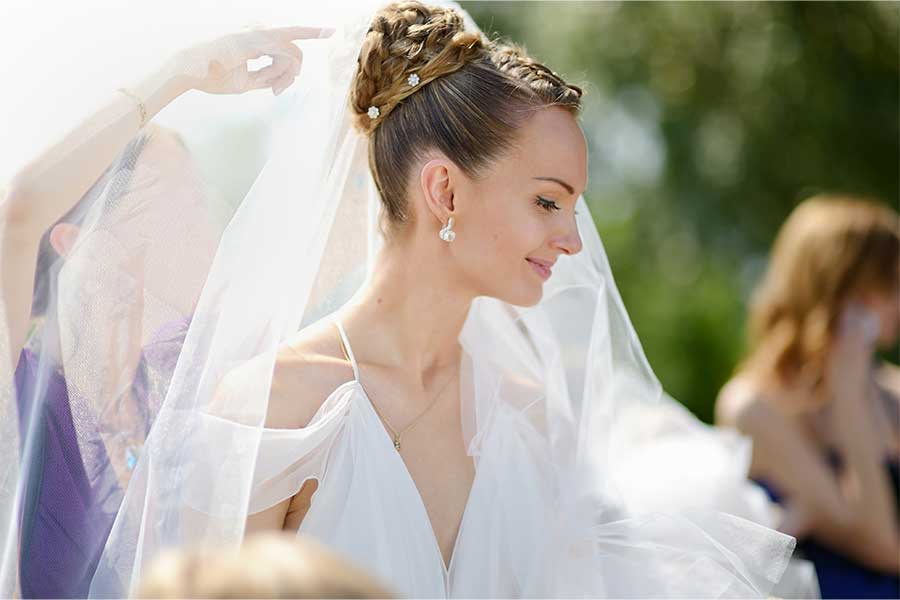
<point>71,495</point>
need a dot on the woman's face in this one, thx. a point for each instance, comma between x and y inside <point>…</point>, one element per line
<point>515,222</point>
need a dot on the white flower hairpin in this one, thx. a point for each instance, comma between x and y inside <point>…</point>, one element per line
<point>412,80</point>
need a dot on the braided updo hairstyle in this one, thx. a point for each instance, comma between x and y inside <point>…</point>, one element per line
<point>471,97</point>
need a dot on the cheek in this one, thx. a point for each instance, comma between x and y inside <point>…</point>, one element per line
<point>510,243</point>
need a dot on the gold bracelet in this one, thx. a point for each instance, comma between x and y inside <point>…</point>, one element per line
<point>140,104</point>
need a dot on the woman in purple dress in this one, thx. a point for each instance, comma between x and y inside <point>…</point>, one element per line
<point>82,429</point>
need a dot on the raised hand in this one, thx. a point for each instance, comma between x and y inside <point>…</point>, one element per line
<point>850,360</point>
<point>219,66</point>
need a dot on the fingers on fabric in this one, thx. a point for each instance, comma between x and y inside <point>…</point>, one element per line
<point>286,61</point>
<point>287,58</point>
<point>279,75</point>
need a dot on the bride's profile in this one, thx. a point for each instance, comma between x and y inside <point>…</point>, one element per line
<point>408,345</point>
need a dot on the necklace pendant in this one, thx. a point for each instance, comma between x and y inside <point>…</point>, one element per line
<point>397,444</point>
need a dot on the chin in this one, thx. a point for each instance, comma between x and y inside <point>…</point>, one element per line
<point>537,298</point>
<point>525,292</point>
<point>523,297</point>
<point>528,297</point>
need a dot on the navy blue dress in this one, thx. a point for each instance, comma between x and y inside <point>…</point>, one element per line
<point>839,575</point>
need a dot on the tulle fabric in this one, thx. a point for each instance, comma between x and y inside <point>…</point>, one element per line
<point>542,519</point>
<point>164,323</point>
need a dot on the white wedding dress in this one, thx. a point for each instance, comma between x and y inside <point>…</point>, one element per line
<point>368,509</point>
<point>367,506</point>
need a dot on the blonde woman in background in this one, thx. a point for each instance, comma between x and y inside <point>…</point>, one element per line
<point>823,412</point>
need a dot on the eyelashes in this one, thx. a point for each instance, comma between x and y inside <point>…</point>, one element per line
<point>548,205</point>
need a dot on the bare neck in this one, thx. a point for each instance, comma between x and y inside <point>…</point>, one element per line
<point>409,313</point>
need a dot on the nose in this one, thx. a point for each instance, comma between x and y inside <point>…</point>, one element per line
<point>570,241</point>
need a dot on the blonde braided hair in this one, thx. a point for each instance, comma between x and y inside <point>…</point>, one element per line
<point>406,38</point>
<point>513,60</point>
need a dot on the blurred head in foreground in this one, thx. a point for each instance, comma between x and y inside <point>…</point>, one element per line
<point>267,565</point>
<point>835,257</point>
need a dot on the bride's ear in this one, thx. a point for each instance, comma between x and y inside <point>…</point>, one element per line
<point>436,181</point>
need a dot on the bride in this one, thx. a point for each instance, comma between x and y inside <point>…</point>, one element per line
<point>480,162</point>
<point>408,344</point>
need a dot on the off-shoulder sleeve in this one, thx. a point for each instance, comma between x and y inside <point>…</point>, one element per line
<point>288,457</point>
<point>231,442</point>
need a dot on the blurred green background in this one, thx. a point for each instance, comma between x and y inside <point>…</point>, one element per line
<point>707,123</point>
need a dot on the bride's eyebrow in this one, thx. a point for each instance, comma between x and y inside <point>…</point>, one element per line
<point>568,187</point>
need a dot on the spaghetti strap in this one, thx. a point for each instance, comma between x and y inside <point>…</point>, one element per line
<point>348,351</point>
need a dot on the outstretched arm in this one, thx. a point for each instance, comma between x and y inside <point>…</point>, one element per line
<point>49,185</point>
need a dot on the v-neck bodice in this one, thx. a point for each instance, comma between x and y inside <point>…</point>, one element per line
<point>395,456</point>
<point>368,508</point>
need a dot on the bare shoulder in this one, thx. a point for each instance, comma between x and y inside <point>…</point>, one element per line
<point>308,367</point>
<point>742,404</point>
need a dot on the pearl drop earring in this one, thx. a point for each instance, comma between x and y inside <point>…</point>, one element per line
<point>447,234</point>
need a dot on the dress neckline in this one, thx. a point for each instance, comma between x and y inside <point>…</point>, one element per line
<point>446,567</point>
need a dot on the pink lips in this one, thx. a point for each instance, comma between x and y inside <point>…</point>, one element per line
<point>542,267</point>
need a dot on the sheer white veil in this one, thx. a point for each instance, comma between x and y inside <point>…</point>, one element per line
<point>171,306</point>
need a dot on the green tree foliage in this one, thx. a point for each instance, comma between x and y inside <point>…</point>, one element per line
<point>707,123</point>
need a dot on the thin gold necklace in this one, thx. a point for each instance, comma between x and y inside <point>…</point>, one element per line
<point>395,435</point>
